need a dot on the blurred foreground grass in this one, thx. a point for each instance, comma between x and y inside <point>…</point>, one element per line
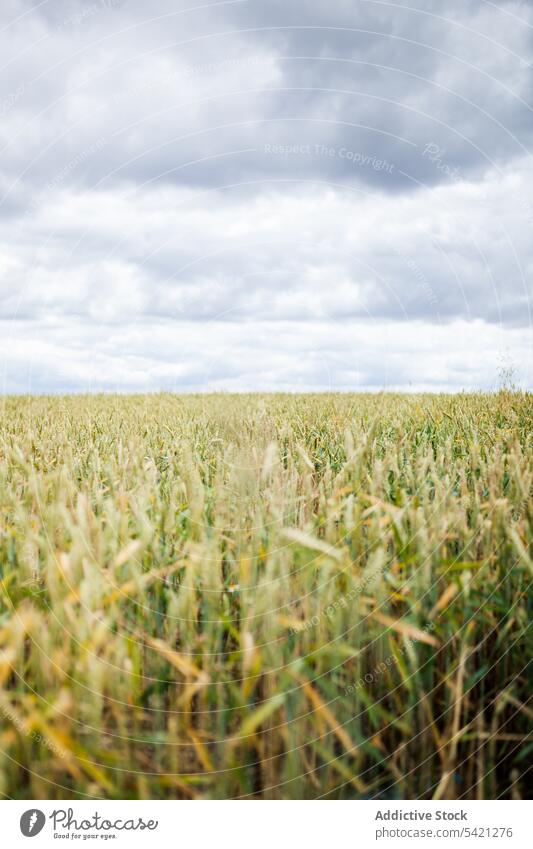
<point>265,596</point>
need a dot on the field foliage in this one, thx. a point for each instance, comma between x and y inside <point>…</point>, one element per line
<point>266,596</point>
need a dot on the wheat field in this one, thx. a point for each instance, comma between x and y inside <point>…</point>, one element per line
<point>265,596</point>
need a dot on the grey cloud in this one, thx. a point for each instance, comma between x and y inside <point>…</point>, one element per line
<point>316,165</point>
<point>160,91</point>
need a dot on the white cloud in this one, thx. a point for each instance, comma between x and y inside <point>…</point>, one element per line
<point>187,205</point>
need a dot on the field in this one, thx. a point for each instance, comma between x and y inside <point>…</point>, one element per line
<point>284,596</point>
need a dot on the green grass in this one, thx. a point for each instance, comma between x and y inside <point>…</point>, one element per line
<point>265,596</point>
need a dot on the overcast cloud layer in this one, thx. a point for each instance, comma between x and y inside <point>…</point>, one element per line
<point>252,195</point>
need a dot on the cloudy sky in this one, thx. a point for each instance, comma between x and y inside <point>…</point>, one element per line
<point>265,194</point>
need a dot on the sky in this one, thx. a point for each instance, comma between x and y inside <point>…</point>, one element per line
<point>265,195</point>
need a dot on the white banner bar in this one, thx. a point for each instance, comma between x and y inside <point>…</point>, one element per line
<point>267,825</point>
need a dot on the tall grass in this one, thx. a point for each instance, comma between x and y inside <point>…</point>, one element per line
<point>265,596</point>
